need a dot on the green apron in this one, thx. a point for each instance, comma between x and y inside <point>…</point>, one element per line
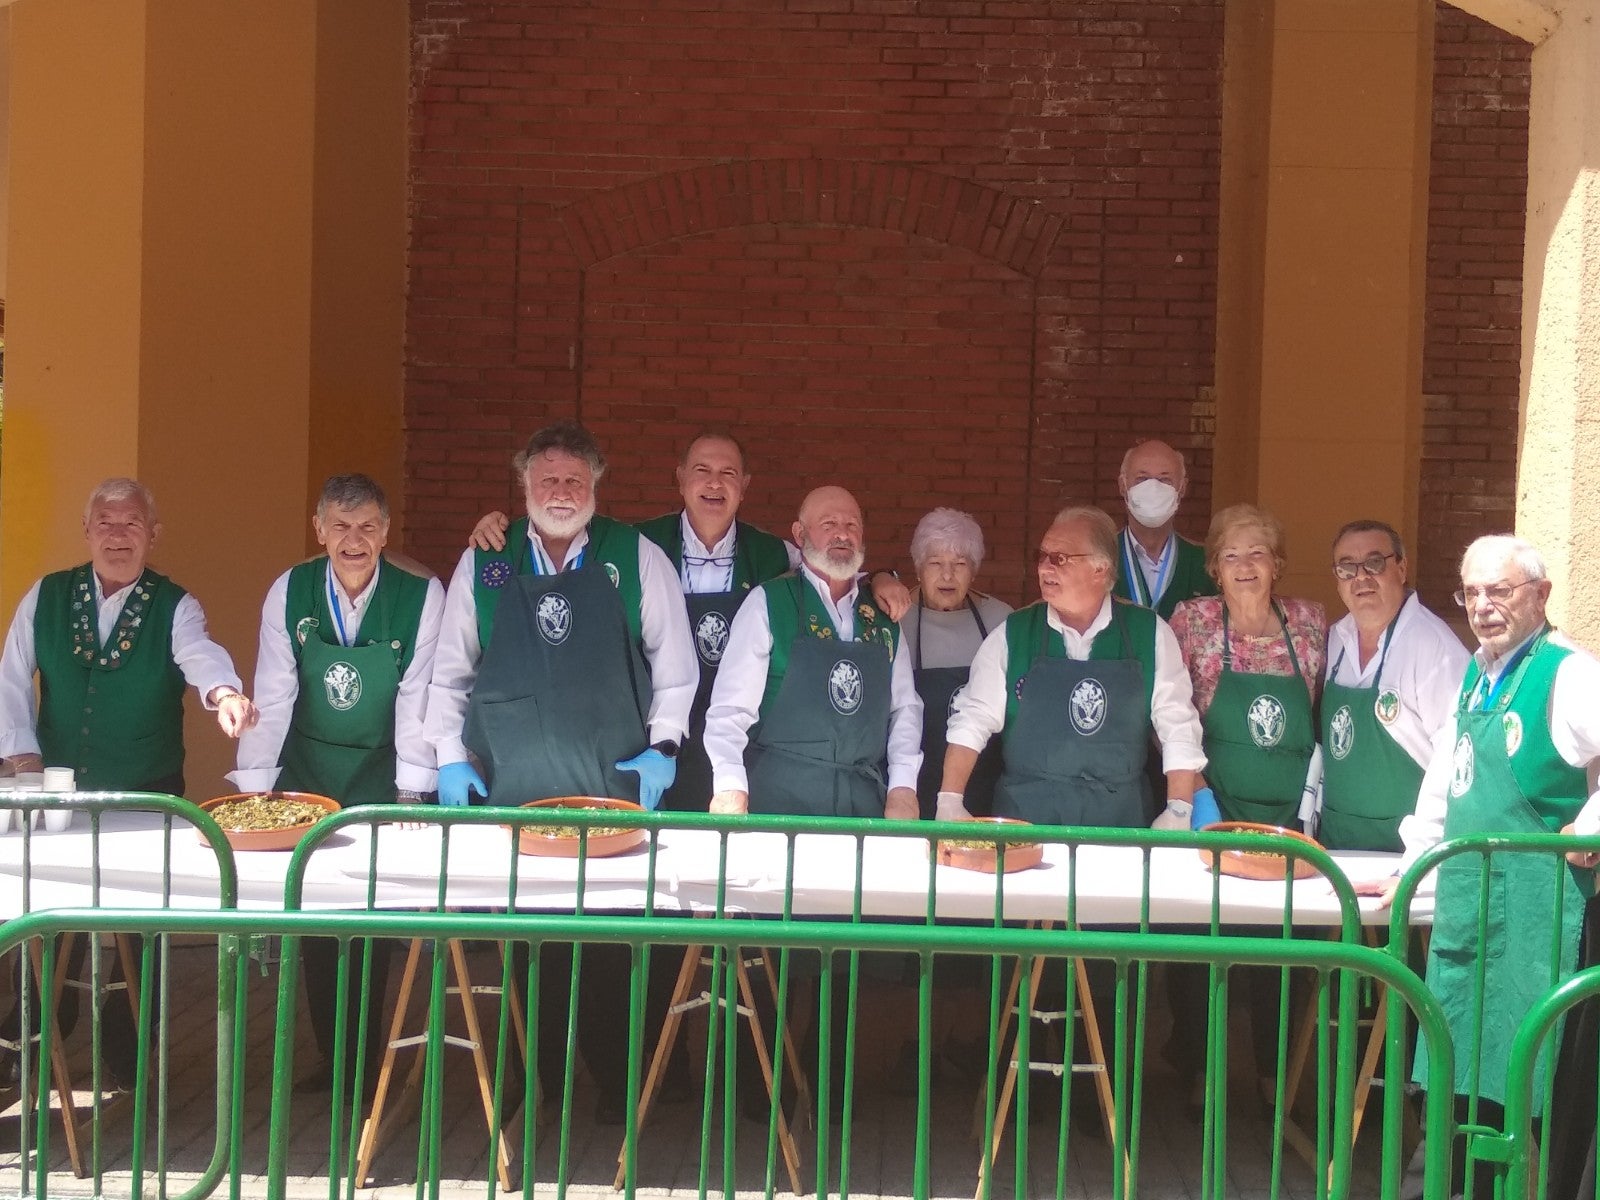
<point>1369,781</point>
<point>341,737</point>
<point>821,742</point>
<point>1075,745</point>
<point>563,690</point>
<point>1498,739</point>
<point>1259,736</point>
<point>938,687</point>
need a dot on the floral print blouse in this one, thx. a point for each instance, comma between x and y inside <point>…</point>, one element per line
<point>1198,624</point>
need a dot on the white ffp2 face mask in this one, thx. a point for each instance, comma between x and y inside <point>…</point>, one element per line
<point>1152,502</point>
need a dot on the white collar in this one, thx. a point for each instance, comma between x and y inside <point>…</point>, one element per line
<point>361,597</point>
<point>692,545</point>
<point>820,585</point>
<point>542,556</point>
<point>120,595</point>
<point>1492,670</point>
<point>1167,547</point>
<point>1101,621</point>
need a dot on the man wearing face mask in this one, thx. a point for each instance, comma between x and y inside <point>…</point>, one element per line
<point>1157,568</point>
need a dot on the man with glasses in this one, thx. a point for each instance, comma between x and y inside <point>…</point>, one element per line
<point>1156,566</point>
<point>1522,757</point>
<point>1393,672</point>
<point>1074,686</point>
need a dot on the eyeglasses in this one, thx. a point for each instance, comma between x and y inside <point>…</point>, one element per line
<point>1496,594</point>
<point>1374,564</point>
<point>1056,559</point>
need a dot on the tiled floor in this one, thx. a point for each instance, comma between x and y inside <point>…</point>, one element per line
<point>882,1144</point>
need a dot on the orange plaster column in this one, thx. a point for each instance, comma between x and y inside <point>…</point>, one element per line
<point>1321,292</point>
<point>187,201</point>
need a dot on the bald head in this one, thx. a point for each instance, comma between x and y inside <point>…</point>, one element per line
<point>830,534</point>
<point>1152,460</point>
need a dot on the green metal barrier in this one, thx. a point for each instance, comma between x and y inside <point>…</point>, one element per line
<point>35,1070</point>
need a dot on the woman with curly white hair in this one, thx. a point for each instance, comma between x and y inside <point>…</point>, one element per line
<point>944,627</point>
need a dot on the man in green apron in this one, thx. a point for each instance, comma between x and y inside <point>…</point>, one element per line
<point>565,666</point>
<point>1156,567</point>
<point>1394,669</point>
<point>342,671</point>
<point>1524,752</point>
<point>112,644</point>
<point>1075,686</point>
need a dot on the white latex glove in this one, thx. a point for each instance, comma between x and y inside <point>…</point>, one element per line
<point>951,808</point>
<point>1174,816</point>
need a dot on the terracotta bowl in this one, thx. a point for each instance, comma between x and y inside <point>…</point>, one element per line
<point>286,838</point>
<point>1019,855</point>
<point>1256,864</point>
<point>552,841</point>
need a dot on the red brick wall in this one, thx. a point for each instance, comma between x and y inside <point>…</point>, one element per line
<point>1471,358</point>
<point>940,251</point>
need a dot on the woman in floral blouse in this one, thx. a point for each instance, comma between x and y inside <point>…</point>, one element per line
<point>1256,660</point>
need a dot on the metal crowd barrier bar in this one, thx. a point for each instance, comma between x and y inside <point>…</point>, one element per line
<point>1125,951</point>
<point>1479,1117</point>
<point>43,969</point>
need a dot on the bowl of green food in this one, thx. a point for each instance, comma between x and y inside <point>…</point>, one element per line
<point>567,841</point>
<point>1257,864</point>
<point>975,852</point>
<point>267,820</point>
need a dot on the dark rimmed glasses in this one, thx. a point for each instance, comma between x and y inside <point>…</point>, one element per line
<point>1373,565</point>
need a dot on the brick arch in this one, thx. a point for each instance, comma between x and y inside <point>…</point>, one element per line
<point>1015,231</point>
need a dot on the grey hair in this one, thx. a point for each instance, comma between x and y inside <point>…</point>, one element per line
<point>950,531</point>
<point>1508,547</point>
<point>570,438</point>
<point>351,492</point>
<point>119,489</point>
<point>1183,465</point>
<point>1102,532</point>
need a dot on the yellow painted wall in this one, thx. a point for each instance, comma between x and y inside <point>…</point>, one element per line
<point>187,299</point>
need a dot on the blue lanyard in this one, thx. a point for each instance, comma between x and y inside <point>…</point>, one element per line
<point>333,609</point>
<point>1383,650</point>
<point>1137,586</point>
<point>1491,693</point>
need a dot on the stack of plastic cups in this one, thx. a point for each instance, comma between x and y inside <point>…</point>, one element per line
<point>58,780</point>
<point>26,781</point>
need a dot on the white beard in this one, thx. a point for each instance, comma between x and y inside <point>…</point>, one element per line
<point>819,561</point>
<point>552,526</point>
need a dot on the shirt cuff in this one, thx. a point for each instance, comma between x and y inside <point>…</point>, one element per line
<point>19,741</point>
<point>1182,756</point>
<point>226,681</point>
<point>254,779</point>
<point>965,738</point>
<point>450,750</point>
<point>730,779</point>
<point>412,778</point>
<point>903,777</point>
<point>666,731</point>
<point>1587,823</point>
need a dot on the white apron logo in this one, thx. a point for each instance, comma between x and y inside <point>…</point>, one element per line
<point>1341,733</point>
<point>1087,705</point>
<point>1461,775</point>
<point>845,687</point>
<point>1266,720</point>
<point>1512,724</point>
<point>614,575</point>
<point>342,682</point>
<point>711,638</point>
<point>555,617</point>
<point>955,699</point>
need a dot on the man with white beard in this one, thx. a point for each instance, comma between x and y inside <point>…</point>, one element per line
<point>1159,568</point>
<point>565,663</point>
<point>815,691</point>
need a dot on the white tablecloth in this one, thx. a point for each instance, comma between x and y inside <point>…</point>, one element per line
<point>894,874</point>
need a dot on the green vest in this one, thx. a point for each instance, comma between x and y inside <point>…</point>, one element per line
<point>1555,789</point>
<point>614,544</point>
<point>758,555</point>
<point>1189,576</point>
<point>113,713</point>
<point>340,741</point>
<point>1026,626</point>
<point>787,596</point>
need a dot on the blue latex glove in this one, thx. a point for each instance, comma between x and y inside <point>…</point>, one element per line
<point>656,772</point>
<point>1205,811</point>
<point>457,781</point>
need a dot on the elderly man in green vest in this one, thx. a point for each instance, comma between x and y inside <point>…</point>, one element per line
<point>342,672</point>
<point>565,666</point>
<point>1157,567</point>
<point>1523,756</point>
<point>113,645</point>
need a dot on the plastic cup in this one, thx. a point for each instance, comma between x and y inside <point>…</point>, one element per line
<point>27,781</point>
<point>60,779</point>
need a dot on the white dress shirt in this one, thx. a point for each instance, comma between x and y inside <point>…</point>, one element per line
<point>278,686</point>
<point>1574,721</point>
<point>714,570</point>
<point>1424,664</point>
<point>663,629</point>
<point>742,680</point>
<point>980,708</point>
<point>205,665</point>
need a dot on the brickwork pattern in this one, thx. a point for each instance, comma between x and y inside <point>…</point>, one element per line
<point>941,251</point>
<point>1471,358</point>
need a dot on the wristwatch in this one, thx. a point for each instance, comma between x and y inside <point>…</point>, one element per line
<point>667,749</point>
<point>407,796</point>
